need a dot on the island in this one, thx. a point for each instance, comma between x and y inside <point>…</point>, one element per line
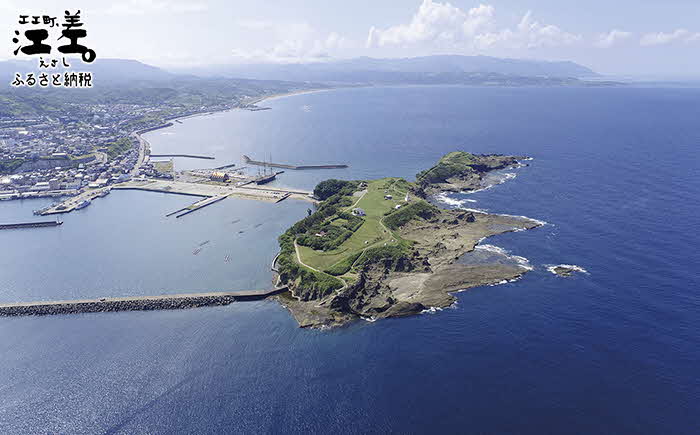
<point>374,249</point>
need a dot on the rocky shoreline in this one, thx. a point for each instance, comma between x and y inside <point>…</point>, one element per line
<point>427,277</point>
<point>424,281</point>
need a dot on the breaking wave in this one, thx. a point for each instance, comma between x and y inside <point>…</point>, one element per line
<point>519,260</point>
<point>444,198</point>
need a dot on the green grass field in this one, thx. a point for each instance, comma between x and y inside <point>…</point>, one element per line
<point>372,233</point>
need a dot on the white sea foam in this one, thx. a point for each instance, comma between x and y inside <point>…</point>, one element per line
<point>494,180</point>
<point>431,310</point>
<point>492,248</point>
<point>521,261</point>
<point>457,203</point>
<point>505,281</point>
<point>537,221</point>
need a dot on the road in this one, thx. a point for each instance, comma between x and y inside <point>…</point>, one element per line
<point>296,248</point>
<point>143,145</point>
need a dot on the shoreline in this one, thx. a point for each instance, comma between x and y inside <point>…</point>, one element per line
<point>170,122</point>
<point>424,274</point>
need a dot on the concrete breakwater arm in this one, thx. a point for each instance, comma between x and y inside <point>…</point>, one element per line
<point>250,161</point>
<point>30,225</point>
<point>187,156</point>
<point>137,303</point>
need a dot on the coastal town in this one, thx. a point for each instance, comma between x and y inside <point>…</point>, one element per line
<point>91,148</point>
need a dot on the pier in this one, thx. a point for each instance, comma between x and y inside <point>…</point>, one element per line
<point>199,205</point>
<point>30,225</point>
<point>73,203</point>
<point>136,303</point>
<point>250,161</point>
<point>211,190</point>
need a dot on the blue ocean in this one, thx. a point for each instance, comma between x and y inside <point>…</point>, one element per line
<point>614,174</point>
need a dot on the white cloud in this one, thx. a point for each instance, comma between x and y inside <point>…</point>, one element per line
<point>434,23</point>
<point>441,24</point>
<point>291,43</point>
<point>142,7</point>
<point>661,38</point>
<point>607,40</point>
<point>528,34</point>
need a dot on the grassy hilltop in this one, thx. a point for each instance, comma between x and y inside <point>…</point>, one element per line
<point>326,249</point>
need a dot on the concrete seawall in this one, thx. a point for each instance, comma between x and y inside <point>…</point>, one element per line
<point>187,156</point>
<point>30,225</point>
<point>137,303</point>
<point>250,161</point>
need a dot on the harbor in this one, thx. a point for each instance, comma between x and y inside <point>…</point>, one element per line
<point>210,185</point>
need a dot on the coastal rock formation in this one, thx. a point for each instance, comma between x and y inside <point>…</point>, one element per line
<point>395,287</point>
<point>566,270</point>
<point>405,258</point>
<point>461,171</point>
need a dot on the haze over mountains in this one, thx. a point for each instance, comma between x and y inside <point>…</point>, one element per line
<point>427,69</point>
<point>359,68</point>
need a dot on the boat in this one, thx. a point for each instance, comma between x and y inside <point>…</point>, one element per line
<point>103,193</point>
<point>265,179</point>
<point>82,205</point>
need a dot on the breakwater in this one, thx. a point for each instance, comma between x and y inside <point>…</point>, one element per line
<point>157,127</point>
<point>187,156</point>
<point>138,303</point>
<point>250,161</point>
<point>30,225</point>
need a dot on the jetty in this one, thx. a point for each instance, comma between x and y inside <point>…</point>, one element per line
<point>199,205</point>
<point>30,225</point>
<point>136,303</point>
<point>187,156</point>
<point>250,161</point>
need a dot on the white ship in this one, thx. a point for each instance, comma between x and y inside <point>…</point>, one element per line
<point>82,205</point>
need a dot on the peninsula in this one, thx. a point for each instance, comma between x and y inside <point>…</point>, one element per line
<point>379,248</point>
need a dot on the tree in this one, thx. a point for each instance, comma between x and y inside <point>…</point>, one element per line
<point>328,188</point>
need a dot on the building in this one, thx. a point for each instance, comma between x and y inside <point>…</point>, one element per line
<point>42,186</point>
<point>358,212</point>
<point>221,177</point>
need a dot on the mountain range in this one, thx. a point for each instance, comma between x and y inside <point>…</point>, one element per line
<point>362,70</point>
<point>358,69</point>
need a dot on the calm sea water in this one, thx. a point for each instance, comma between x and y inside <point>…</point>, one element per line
<point>613,351</point>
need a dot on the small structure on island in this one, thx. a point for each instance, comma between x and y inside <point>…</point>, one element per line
<point>221,177</point>
<point>358,212</point>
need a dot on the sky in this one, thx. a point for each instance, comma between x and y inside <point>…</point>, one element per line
<point>619,37</point>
